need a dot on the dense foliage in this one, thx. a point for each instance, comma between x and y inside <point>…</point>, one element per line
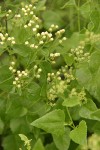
<point>50,75</point>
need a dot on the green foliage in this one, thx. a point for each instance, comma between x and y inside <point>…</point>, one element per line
<point>79,134</point>
<point>52,122</point>
<point>49,75</point>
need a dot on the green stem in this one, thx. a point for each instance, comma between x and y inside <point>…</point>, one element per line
<point>78,11</point>
<point>70,118</point>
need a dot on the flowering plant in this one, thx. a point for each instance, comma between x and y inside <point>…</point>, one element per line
<point>49,76</point>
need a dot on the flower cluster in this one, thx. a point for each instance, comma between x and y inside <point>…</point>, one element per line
<point>53,56</point>
<point>6,39</point>
<point>93,143</point>
<point>37,72</point>
<point>59,33</point>
<point>80,94</point>
<point>20,76</point>
<point>53,28</point>
<point>58,82</point>
<point>8,13</point>
<point>56,89</point>
<point>92,37</point>
<point>79,54</point>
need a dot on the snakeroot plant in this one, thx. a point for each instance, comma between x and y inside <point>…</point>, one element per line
<point>49,75</point>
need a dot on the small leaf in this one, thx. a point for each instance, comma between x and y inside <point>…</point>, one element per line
<point>79,134</point>
<point>96,115</point>
<point>62,143</point>
<point>38,145</point>
<point>69,4</point>
<point>85,9</point>
<point>22,50</point>
<point>87,109</point>
<point>52,122</point>
<point>71,101</point>
<point>23,137</point>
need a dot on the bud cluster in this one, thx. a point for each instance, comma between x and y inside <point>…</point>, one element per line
<point>44,37</point>
<point>58,82</point>
<point>79,54</point>
<point>81,95</point>
<point>28,10</point>
<point>63,39</point>
<point>92,37</point>
<point>8,13</point>
<point>5,39</point>
<point>56,89</point>
<point>19,76</point>
<point>59,33</point>
<point>53,28</point>
<point>53,56</point>
<point>37,72</point>
<point>93,143</point>
<point>31,45</point>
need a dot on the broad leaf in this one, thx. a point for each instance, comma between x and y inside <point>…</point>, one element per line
<point>52,122</point>
<point>62,143</point>
<point>38,145</point>
<point>71,101</point>
<point>79,134</point>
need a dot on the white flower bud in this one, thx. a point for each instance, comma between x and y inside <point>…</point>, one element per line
<point>16,78</point>
<point>34,29</point>
<point>35,67</point>
<point>39,70</point>
<point>26,43</point>
<point>14,70</point>
<point>9,11</point>
<point>14,82</point>
<point>36,46</point>
<point>18,71</point>
<point>13,42</point>
<point>18,85</point>
<point>12,63</point>
<point>25,26</point>
<point>37,26</point>
<point>10,68</point>
<point>29,24</point>
<point>38,76</point>
<point>41,42</point>
<point>31,13</point>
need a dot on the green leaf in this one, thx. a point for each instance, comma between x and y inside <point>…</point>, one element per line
<point>85,9</point>
<point>94,63</point>
<point>11,142</point>
<point>71,101</point>
<point>40,5</point>
<point>1,126</point>
<point>21,35</point>
<point>51,147</point>
<point>79,134</point>
<point>95,17</point>
<point>96,115</point>
<point>51,17</point>
<point>52,122</point>
<point>68,59</point>
<point>62,143</point>
<point>19,125</point>
<point>83,75</point>
<point>69,4</point>
<point>87,109</point>
<point>22,50</point>
<point>39,145</point>
<point>6,78</point>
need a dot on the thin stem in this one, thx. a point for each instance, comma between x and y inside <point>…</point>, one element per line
<point>70,117</point>
<point>78,11</point>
